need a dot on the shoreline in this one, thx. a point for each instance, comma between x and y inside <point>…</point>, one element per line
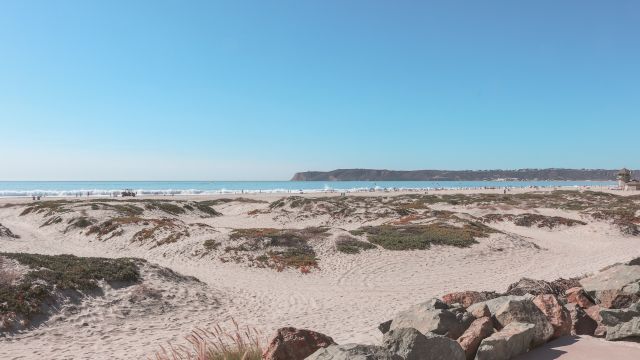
<point>141,193</point>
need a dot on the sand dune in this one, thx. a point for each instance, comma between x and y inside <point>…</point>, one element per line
<point>345,297</point>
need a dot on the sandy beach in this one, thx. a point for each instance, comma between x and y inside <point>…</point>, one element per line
<point>346,296</point>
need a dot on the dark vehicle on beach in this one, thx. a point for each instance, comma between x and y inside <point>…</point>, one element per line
<point>128,192</point>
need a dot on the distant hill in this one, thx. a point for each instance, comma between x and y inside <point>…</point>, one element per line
<point>460,175</point>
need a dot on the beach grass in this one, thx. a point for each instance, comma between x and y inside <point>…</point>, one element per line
<point>239,343</point>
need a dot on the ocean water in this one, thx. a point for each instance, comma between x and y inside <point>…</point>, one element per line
<point>108,188</point>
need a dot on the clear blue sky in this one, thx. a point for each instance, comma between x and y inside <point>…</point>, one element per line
<point>253,90</point>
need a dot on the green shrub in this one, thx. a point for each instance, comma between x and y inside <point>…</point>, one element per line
<point>207,209</point>
<point>49,274</point>
<point>211,244</point>
<point>418,237</point>
<point>165,206</point>
<point>350,245</point>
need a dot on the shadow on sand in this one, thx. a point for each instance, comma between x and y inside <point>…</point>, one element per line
<point>550,350</point>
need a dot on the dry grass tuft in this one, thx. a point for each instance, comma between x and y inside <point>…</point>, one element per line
<point>216,344</point>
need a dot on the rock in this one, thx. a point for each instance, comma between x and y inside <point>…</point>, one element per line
<point>629,330</point>
<point>617,299</point>
<point>558,316</point>
<point>526,311</point>
<point>385,326</point>
<point>613,317</point>
<point>481,311</point>
<point>467,298</point>
<point>410,344</point>
<point>494,304</point>
<point>594,313</point>
<point>578,296</point>
<point>353,352</point>
<point>514,339</point>
<point>581,323</point>
<point>479,330</point>
<point>295,344</point>
<point>614,287</point>
<point>432,316</point>
<point>539,287</point>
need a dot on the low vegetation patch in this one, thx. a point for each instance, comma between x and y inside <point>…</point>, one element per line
<point>50,274</point>
<point>207,209</point>
<point>529,220</point>
<point>165,206</point>
<point>113,226</point>
<point>418,237</point>
<point>211,245</point>
<point>122,208</point>
<point>48,207</point>
<point>52,220</point>
<point>280,248</point>
<point>350,245</point>
<point>79,223</point>
<point>6,232</point>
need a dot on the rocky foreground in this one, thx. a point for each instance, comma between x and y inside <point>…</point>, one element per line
<point>490,326</point>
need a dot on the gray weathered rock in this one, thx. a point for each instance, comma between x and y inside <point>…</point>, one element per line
<point>353,352</point>
<point>514,339</point>
<point>432,316</point>
<point>410,344</point>
<point>471,339</point>
<point>613,317</point>
<point>615,287</point>
<point>495,304</point>
<point>385,326</point>
<point>629,330</point>
<point>525,311</point>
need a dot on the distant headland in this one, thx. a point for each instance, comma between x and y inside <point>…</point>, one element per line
<point>550,174</point>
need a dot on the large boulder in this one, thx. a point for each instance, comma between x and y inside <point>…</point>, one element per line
<point>539,287</point>
<point>514,339</point>
<point>629,330</point>
<point>433,316</point>
<point>578,296</point>
<point>353,352</point>
<point>410,344</point>
<point>615,287</point>
<point>558,315</point>
<point>467,298</point>
<point>525,311</point>
<point>494,304</point>
<point>581,323</point>
<point>479,330</point>
<point>480,311</point>
<point>613,317</point>
<point>295,344</point>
